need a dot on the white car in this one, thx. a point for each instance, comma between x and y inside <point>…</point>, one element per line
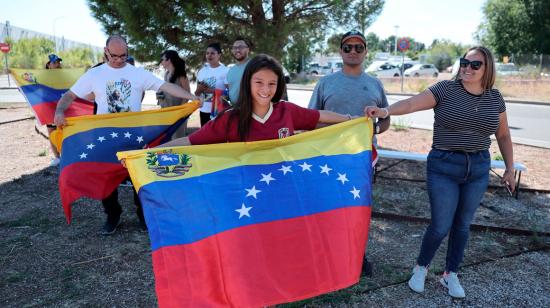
<point>426,70</point>
<point>383,70</point>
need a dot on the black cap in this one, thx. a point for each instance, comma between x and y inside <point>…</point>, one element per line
<point>352,34</point>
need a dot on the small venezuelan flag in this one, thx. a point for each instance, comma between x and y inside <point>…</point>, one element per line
<point>260,223</point>
<point>43,88</point>
<point>88,145</point>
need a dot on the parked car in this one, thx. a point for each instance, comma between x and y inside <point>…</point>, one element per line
<point>507,69</point>
<point>383,69</point>
<point>406,65</point>
<point>417,70</point>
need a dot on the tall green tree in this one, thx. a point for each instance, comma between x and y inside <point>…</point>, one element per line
<point>516,26</point>
<point>190,25</point>
<point>443,53</point>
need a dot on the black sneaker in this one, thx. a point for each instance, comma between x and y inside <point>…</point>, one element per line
<point>141,219</point>
<point>110,225</point>
<point>366,270</point>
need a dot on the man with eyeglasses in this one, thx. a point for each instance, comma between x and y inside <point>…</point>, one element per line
<point>240,52</point>
<point>117,87</point>
<point>350,90</point>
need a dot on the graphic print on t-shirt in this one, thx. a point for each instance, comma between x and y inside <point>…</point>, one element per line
<point>211,83</point>
<point>118,95</point>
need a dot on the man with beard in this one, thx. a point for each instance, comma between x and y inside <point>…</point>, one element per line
<point>350,90</point>
<point>240,51</point>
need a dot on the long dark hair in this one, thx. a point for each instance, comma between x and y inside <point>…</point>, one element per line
<point>177,62</point>
<point>243,107</point>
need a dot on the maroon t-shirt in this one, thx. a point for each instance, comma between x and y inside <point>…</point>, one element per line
<point>284,119</point>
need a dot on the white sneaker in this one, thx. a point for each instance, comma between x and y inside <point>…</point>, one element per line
<point>54,162</point>
<point>450,281</point>
<point>416,283</point>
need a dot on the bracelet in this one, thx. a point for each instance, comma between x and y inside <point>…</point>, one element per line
<point>387,113</point>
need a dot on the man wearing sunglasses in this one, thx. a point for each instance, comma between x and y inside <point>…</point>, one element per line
<point>117,87</point>
<point>350,90</point>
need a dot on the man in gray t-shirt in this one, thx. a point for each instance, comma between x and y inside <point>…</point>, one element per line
<point>350,90</point>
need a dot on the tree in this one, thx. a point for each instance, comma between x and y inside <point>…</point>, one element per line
<point>32,53</point>
<point>152,26</point>
<point>443,53</point>
<point>516,26</point>
<point>365,13</point>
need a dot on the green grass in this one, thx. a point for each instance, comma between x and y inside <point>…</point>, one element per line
<point>400,124</point>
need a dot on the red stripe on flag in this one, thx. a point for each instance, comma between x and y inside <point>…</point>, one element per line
<point>100,181</point>
<point>265,264</point>
<point>45,111</point>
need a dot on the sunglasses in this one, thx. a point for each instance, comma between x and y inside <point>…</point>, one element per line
<point>475,65</point>
<point>347,48</point>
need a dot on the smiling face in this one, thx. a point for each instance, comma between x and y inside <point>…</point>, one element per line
<point>469,75</point>
<point>263,86</point>
<point>240,50</point>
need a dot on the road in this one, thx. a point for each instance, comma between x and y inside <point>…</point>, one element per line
<point>529,124</point>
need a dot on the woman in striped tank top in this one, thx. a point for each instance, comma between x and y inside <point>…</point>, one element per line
<point>467,111</point>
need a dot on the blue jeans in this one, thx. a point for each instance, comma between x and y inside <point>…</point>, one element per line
<point>456,183</point>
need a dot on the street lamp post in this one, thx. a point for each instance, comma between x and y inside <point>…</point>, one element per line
<point>395,42</point>
<point>54,37</point>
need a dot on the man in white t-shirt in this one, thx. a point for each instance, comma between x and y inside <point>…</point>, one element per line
<point>117,87</point>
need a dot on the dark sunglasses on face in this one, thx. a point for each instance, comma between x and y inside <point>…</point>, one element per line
<point>475,65</point>
<point>359,48</point>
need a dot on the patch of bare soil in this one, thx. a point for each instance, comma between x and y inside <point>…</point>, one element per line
<point>46,263</point>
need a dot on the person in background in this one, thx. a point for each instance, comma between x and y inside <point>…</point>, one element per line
<point>131,61</point>
<point>240,52</point>
<point>350,90</point>
<point>258,113</point>
<point>210,78</point>
<point>467,111</point>
<point>176,74</point>
<point>117,87</point>
<point>54,62</point>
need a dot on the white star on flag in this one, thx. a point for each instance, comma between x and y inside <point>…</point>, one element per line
<point>101,139</point>
<point>139,139</point>
<point>285,169</point>
<point>243,211</point>
<point>90,146</point>
<point>342,178</point>
<point>267,178</point>
<point>127,135</point>
<point>83,155</point>
<point>355,193</point>
<point>114,135</point>
<point>325,169</point>
<point>305,167</point>
<point>252,192</point>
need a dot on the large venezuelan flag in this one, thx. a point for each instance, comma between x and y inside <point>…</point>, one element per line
<point>88,145</point>
<point>256,224</point>
<point>43,88</point>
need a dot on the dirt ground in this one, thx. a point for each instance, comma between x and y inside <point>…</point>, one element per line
<point>46,263</point>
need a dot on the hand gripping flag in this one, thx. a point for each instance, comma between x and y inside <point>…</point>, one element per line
<point>43,88</point>
<point>88,145</point>
<point>260,223</point>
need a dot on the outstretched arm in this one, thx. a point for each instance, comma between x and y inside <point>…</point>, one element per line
<point>422,101</point>
<point>329,117</point>
<point>62,105</point>
<point>177,91</point>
